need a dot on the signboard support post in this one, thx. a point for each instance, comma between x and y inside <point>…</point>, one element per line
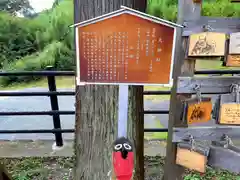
<point>122,110</point>
<point>136,54</point>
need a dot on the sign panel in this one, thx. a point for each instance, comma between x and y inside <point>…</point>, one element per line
<point>230,114</point>
<point>234,44</point>
<point>191,160</point>
<point>207,44</point>
<point>233,61</point>
<point>125,48</point>
<point>199,112</point>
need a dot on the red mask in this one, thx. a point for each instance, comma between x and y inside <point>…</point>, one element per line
<point>123,159</point>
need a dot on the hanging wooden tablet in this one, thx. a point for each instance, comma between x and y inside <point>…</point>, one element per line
<point>224,155</point>
<point>207,44</point>
<point>233,60</point>
<point>230,107</point>
<point>234,43</point>
<point>198,109</point>
<point>192,155</point>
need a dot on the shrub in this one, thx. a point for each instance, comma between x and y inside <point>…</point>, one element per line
<point>36,62</point>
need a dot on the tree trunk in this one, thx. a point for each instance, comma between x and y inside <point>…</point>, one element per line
<point>96,109</point>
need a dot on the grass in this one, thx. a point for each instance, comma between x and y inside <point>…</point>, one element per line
<point>61,82</point>
<point>39,168</point>
<point>56,168</point>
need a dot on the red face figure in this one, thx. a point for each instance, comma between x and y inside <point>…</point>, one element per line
<point>123,159</point>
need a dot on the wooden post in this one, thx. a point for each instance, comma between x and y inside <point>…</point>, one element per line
<point>136,116</point>
<point>187,10</point>
<point>96,109</point>
<point>4,175</point>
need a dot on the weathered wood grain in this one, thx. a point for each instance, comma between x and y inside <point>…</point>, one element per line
<point>208,85</point>
<point>4,175</point>
<point>213,133</point>
<point>197,147</point>
<point>187,10</point>
<point>224,158</point>
<point>213,24</point>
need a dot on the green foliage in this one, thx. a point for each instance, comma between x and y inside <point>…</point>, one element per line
<point>215,174</point>
<point>221,8</point>
<point>32,43</point>
<point>17,38</point>
<point>55,54</point>
<point>167,9</point>
<point>13,6</point>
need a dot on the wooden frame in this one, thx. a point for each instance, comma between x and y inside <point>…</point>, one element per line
<point>190,16</point>
<point>208,85</point>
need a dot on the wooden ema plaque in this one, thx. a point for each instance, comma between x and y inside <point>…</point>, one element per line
<point>191,160</point>
<point>234,43</point>
<point>230,114</point>
<point>207,44</point>
<point>125,49</point>
<point>233,61</point>
<point>198,112</point>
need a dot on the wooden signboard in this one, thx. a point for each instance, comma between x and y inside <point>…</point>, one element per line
<point>230,113</point>
<point>233,61</point>
<point>127,47</point>
<point>207,44</point>
<point>198,112</point>
<point>234,43</point>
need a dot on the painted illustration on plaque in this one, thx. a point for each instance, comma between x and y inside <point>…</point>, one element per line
<point>207,44</point>
<point>198,112</point>
<point>202,46</point>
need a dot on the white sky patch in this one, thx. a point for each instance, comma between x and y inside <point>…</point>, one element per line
<point>40,5</point>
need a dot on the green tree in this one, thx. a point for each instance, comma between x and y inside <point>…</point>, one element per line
<point>14,6</point>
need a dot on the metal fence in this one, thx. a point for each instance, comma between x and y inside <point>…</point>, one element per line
<point>55,112</point>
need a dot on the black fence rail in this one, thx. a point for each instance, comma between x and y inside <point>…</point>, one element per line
<point>55,112</point>
<point>52,93</point>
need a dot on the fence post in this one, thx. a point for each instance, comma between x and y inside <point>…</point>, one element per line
<point>54,106</point>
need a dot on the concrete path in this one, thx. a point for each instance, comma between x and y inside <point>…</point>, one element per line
<point>41,148</point>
